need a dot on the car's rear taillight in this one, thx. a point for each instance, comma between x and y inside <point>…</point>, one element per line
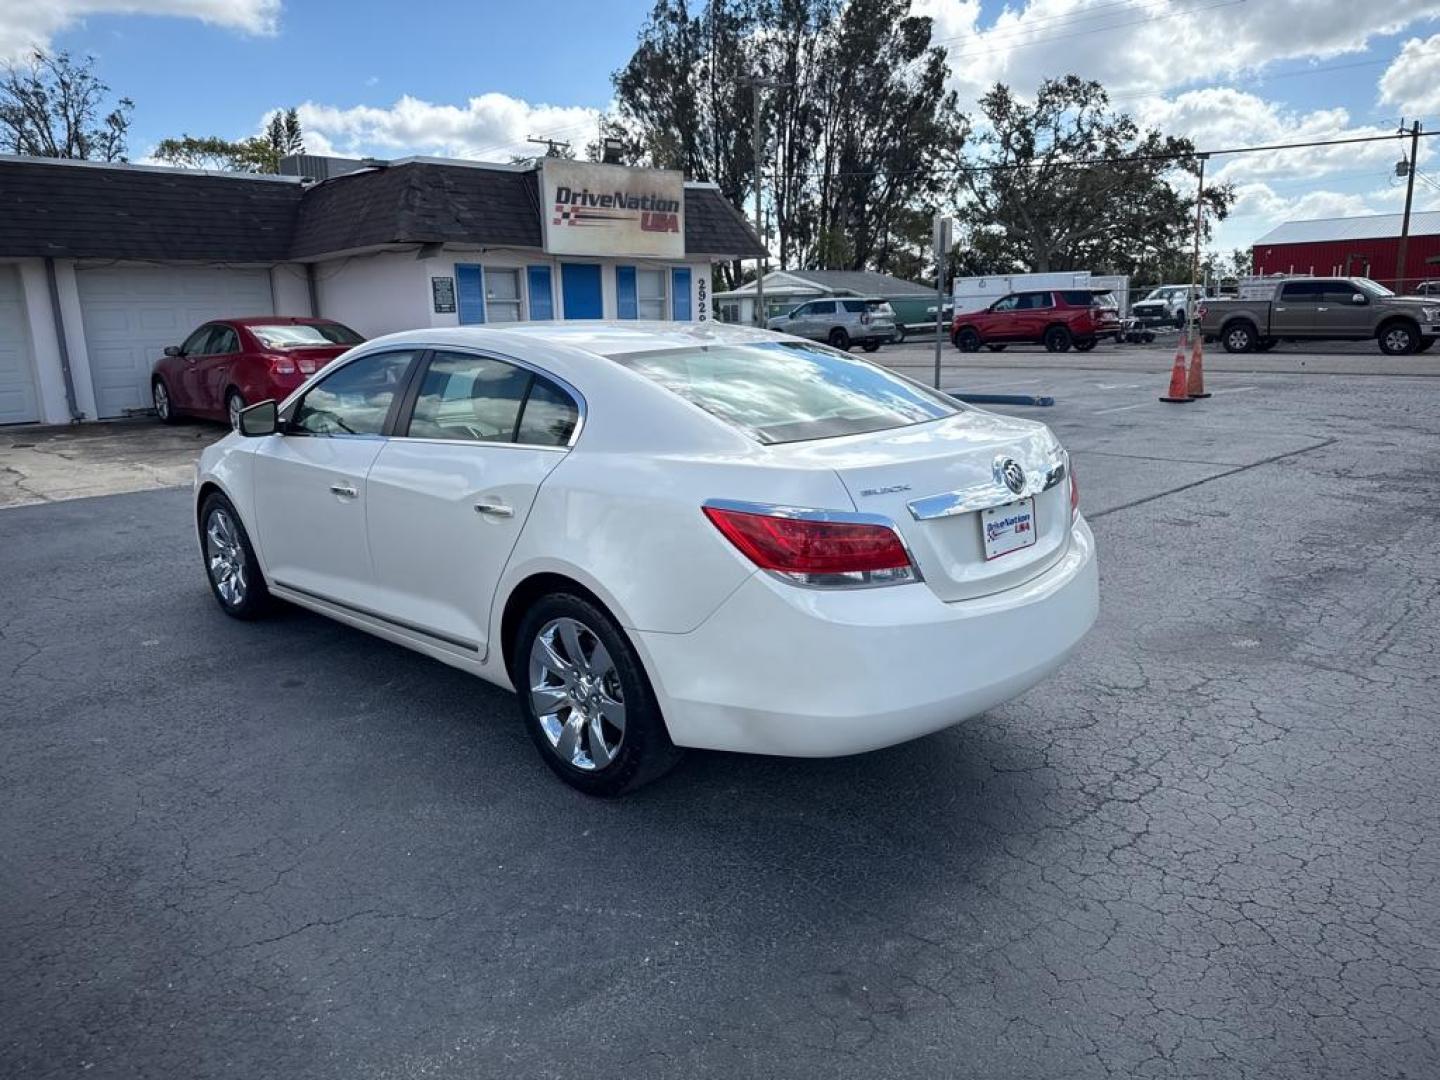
<point>282,365</point>
<point>1074,496</point>
<point>307,366</point>
<point>815,548</point>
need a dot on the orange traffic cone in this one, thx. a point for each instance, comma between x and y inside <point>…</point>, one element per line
<point>1178,395</point>
<point>1195,387</point>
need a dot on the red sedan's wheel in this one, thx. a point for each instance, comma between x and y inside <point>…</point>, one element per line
<point>234,406</point>
<point>164,407</point>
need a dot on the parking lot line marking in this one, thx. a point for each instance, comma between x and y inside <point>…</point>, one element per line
<point>1121,408</point>
<point>1207,479</point>
<point>1118,386</point>
<point>1234,389</point>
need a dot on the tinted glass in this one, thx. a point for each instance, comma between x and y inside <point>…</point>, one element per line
<point>1075,296</point>
<point>1034,300</point>
<point>468,397</point>
<point>823,307</point>
<point>195,343</point>
<point>1303,292</point>
<point>550,416</point>
<point>789,391</point>
<point>223,341</point>
<point>354,400</point>
<point>1339,292</point>
<point>299,335</point>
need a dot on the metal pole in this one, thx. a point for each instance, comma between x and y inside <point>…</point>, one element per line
<point>1405,222</point>
<point>940,254</point>
<point>759,220</point>
<point>1192,315</point>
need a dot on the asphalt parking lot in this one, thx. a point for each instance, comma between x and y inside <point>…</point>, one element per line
<point>1207,848</point>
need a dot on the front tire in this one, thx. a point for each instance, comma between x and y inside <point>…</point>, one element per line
<point>230,564</point>
<point>1398,339</point>
<point>164,406</point>
<point>234,406</point>
<point>839,339</point>
<point>586,700</point>
<point>967,340</point>
<point>870,346</point>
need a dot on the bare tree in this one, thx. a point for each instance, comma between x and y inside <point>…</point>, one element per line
<point>54,106</point>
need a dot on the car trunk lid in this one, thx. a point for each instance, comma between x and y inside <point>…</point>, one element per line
<point>936,480</point>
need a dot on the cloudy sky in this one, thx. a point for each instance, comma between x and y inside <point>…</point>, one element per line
<point>476,79</point>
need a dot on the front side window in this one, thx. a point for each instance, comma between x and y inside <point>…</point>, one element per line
<point>1006,303</point>
<point>650,297</point>
<point>354,400</point>
<point>195,344</point>
<point>790,391</point>
<point>502,294</point>
<point>222,342</point>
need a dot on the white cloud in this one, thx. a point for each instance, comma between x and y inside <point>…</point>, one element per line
<point>1145,45</point>
<point>1412,81</point>
<point>31,24</point>
<point>489,127</point>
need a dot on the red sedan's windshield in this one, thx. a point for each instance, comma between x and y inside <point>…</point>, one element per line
<point>303,335</point>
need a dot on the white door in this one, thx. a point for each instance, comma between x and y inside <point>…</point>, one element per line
<point>310,502</point>
<point>449,494</point>
<point>18,402</point>
<point>130,313</point>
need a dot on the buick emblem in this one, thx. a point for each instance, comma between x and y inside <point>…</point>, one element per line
<point>1011,474</point>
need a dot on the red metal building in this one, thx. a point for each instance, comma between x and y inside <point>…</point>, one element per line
<point>1356,246</point>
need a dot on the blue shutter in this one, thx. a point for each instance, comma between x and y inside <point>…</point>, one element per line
<point>542,297</point>
<point>469,294</point>
<point>680,294</point>
<point>626,304</point>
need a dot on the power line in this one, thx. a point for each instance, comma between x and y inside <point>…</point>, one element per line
<point>1089,162</point>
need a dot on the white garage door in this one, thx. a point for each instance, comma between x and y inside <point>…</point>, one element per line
<point>131,313</point>
<point>17,370</point>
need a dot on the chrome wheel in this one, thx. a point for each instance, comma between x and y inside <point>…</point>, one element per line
<point>575,694</point>
<point>225,558</point>
<point>234,405</point>
<point>162,401</point>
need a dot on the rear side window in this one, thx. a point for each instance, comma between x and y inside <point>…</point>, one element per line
<point>856,307</point>
<point>1078,298</point>
<point>822,307</point>
<point>549,416</point>
<point>1303,292</point>
<point>790,391</point>
<point>1033,300</point>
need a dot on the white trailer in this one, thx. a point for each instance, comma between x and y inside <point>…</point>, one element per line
<point>975,293</point>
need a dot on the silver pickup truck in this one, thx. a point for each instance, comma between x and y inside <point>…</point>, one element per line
<point>1324,309</point>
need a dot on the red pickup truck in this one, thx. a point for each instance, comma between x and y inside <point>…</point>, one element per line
<point>1055,318</point>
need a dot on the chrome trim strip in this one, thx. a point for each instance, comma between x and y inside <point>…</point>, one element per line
<point>458,643</point>
<point>844,517</point>
<point>987,495</point>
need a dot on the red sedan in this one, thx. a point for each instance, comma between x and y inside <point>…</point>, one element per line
<point>231,363</point>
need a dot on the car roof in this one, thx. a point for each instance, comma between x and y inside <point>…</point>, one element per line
<point>605,338</point>
<point>274,320</point>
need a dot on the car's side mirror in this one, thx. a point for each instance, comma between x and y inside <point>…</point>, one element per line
<point>173,350</point>
<point>262,418</point>
<point>1357,298</point>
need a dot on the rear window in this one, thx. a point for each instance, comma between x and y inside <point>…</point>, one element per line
<point>1085,298</point>
<point>790,391</point>
<point>298,336</point>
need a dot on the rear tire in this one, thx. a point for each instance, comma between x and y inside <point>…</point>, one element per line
<point>839,339</point>
<point>870,346</point>
<point>1057,339</point>
<point>967,340</point>
<point>581,742</point>
<point>1239,338</point>
<point>899,335</point>
<point>230,565</point>
<point>1086,344</point>
<point>998,347</point>
<point>1399,338</point>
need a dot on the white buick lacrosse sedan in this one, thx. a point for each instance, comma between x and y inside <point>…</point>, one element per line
<point>662,535</point>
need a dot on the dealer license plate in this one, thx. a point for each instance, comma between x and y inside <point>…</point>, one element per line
<point>1008,528</point>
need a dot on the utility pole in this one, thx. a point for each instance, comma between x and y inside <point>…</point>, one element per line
<point>1192,314</point>
<point>550,145</point>
<point>1409,198</point>
<point>942,243</point>
<point>756,84</point>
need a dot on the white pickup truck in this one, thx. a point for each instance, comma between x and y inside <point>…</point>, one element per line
<point>1165,304</point>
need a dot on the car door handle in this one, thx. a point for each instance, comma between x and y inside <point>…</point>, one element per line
<point>1322,309</point>
<point>494,509</point>
<point>345,491</point>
